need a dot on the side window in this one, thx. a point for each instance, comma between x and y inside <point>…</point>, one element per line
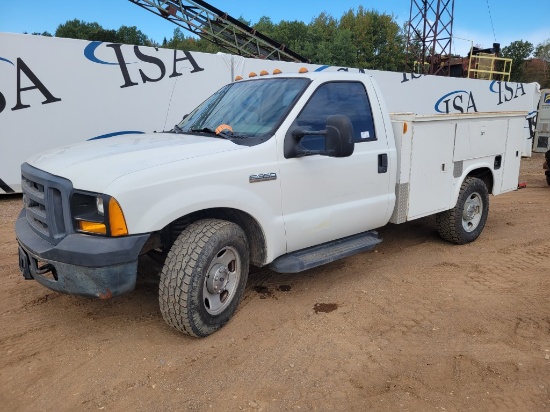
<point>347,98</point>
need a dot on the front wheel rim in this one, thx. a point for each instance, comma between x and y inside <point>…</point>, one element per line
<point>221,280</point>
<point>472,212</point>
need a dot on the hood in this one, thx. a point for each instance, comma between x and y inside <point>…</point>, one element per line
<point>103,161</point>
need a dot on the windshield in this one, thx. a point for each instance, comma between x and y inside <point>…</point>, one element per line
<point>245,109</point>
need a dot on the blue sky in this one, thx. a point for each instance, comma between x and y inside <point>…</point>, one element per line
<point>512,19</point>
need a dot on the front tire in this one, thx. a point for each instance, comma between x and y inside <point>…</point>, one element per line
<point>204,276</point>
<point>465,222</point>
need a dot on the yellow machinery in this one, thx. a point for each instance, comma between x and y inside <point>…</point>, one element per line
<point>488,66</point>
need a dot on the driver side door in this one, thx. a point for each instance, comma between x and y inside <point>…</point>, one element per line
<point>326,198</point>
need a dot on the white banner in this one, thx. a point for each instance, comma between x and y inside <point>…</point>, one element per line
<point>56,91</point>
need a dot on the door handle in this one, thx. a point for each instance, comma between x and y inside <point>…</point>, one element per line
<point>382,163</point>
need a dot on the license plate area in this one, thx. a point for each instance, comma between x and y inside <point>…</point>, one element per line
<point>31,267</point>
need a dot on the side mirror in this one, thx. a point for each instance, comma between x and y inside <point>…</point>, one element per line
<point>338,139</point>
<point>339,136</point>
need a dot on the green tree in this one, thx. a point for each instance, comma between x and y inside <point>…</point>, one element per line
<point>538,69</point>
<point>326,44</point>
<point>365,39</point>
<point>131,35</point>
<point>77,29</point>
<point>44,33</point>
<point>265,26</point>
<point>542,51</point>
<point>377,37</point>
<point>182,42</point>
<point>518,51</point>
<point>290,33</point>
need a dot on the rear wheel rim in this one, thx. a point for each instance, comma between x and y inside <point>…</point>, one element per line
<point>221,280</point>
<point>472,212</point>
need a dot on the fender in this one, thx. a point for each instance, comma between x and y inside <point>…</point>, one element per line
<point>469,167</point>
<point>155,197</point>
<point>170,208</point>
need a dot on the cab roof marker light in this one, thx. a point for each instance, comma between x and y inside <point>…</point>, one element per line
<point>264,73</point>
<point>303,70</point>
<point>238,78</point>
<point>252,74</point>
<point>277,71</point>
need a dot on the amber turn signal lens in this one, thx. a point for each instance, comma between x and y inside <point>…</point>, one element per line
<point>116,219</point>
<point>92,227</point>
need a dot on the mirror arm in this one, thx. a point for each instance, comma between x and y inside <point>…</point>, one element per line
<point>299,133</point>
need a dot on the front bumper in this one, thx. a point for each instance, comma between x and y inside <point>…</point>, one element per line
<point>80,264</point>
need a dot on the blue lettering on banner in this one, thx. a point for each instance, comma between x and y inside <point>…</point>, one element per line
<point>89,53</point>
<point>6,60</point>
<point>506,91</point>
<point>459,101</point>
<point>414,76</point>
<point>161,67</point>
<point>22,69</point>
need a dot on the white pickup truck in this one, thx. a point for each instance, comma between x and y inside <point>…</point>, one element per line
<point>291,171</point>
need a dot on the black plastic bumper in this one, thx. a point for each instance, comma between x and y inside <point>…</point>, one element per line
<point>80,264</point>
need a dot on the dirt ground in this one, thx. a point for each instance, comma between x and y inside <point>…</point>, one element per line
<point>417,325</point>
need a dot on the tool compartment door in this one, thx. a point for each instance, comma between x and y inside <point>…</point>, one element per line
<point>512,156</point>
<point>431,170</point>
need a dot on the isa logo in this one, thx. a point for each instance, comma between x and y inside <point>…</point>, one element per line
<point>93,51</point>
<point>546,99</point>
<point>458,101</point>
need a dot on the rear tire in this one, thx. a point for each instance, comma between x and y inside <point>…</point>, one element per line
<point>204,276</point>
<point>465,222</point>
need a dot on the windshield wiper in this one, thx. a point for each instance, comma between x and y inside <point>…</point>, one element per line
<point>177,129</point>
<point>221,135</point>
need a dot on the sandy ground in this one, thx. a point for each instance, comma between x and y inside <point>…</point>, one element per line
<point>418,325</point>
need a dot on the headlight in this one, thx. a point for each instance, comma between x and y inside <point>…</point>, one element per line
<point>97,214</point>
<point>99,205</point>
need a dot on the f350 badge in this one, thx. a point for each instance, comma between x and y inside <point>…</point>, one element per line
<point>262,177</point>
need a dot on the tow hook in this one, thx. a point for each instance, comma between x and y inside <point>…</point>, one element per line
<point>107,295</point>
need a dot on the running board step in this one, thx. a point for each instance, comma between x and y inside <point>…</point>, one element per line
<point>314,256</point>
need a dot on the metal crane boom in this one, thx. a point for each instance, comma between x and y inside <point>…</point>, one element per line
<point>210,23</point>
